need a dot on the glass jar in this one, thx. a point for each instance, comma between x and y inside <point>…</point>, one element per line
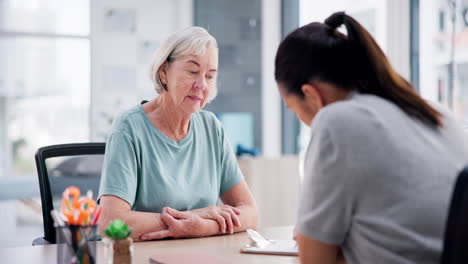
<point>76,244</point>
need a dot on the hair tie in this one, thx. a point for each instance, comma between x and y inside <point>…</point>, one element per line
<point>335,20</point>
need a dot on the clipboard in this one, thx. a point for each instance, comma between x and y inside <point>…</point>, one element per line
<point>260,245</point>
<point>277,247</point>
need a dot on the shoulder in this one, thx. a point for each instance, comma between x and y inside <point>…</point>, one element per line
<point>206,115</point>
<point>357,113</point>
<point>127,120</point>
<point>347,133</point>
<point>208,119</point>
<point>358,123</point>
<point>442,109</point>
<point>210,127</point>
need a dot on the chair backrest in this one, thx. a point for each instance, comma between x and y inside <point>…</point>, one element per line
<point>456,229</point>
<point>60,166</point>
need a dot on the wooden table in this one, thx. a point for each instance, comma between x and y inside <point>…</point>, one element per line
<point>225,247</point>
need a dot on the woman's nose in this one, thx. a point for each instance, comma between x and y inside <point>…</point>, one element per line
<point>200,83</point>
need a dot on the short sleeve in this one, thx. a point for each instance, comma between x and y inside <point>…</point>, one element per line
<point>231,174</point>
<point>119,172</point>
<point>326,206</point>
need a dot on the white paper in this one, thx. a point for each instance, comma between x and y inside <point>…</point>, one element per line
<point>277,247</point>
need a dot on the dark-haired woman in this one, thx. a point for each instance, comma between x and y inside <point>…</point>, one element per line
<point>381,163</point>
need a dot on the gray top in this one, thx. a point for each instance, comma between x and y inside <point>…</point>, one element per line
<point>378,182</point>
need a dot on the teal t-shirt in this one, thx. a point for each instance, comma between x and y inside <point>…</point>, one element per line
<point>151,171</point>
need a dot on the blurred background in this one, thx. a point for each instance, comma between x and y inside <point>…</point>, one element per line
<point>69,67</point>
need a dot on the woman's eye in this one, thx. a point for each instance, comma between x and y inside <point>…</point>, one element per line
<point>209,77</point>
<point>193,72</point>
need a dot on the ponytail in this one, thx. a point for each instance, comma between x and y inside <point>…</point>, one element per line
<point>319,52</point>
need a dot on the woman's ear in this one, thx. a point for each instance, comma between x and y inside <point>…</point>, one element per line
<point>163,72</point>
<point>313,95</point>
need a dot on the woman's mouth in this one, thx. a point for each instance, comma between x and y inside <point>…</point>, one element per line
<point>194,98</point>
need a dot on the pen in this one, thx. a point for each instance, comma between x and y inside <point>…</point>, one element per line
<point>96,216</point>
<point>61,226</point>
<point>57,219</point>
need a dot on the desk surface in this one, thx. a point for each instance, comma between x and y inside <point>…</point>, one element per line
<point>225,247</point>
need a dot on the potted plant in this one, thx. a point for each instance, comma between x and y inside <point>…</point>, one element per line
<point>118,234</point>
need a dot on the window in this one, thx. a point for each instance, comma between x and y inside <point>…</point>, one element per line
<point>439,50</point>
<point>44,99</point>
<point>44,79</point>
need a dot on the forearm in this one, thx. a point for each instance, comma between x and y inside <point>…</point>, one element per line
<point>248,219</point>
<point>139,222</point>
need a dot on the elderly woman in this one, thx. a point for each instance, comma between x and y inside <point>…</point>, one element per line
<point>167,161</point>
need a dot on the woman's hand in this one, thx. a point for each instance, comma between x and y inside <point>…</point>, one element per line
<point>295,234</point>
<point>225,215</point>
<point>179,224</point>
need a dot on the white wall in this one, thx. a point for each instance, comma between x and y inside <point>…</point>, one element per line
<point>124,35</point>
<point>271,102</point>
<point>274,182</point>
<point>398,35</point>
<point>430,56</point>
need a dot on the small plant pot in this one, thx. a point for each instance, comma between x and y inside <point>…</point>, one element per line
<point>119,251</point>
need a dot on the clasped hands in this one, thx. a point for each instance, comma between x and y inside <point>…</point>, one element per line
<point>195,223</point>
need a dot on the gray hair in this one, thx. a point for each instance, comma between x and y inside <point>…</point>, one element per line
<point>191,40</point>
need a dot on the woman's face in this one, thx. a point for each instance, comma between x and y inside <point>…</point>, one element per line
<point>304,108</point>
<point>191,80</point>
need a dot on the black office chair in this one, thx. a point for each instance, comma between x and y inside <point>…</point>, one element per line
<point>456,229</point>
<point>60,166</point>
